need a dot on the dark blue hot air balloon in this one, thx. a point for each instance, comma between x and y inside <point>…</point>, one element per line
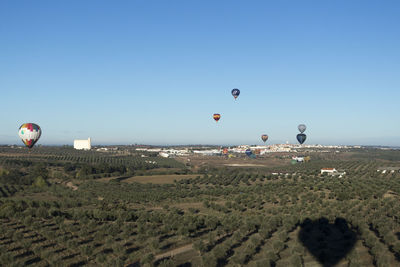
<point>248,152</point>
<point>301,138</point>
<point>235,92</point>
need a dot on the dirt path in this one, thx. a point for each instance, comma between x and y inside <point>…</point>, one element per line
<point>72,186</point>
<point>182,249</point>
<point>174,252</point>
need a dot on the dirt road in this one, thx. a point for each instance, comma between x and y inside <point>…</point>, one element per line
<point>183,249</point>
<point>174,252</point>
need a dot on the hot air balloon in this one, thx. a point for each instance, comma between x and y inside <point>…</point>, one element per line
<point>29,134</point>
<point>301,138</point>
<point>216,117</point>
<point>264,137</point>
<point>235,93</point>
<point>302,128</point>
<point>248,152</point>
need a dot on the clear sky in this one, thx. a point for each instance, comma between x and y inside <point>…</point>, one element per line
<point>125,72</point>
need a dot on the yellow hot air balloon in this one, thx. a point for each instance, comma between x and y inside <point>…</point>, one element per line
<point>216,117</point>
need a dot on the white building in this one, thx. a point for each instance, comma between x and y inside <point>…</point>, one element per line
<point>156,150</point>
<point>333,172</point>
<point>300,159</point>
<point>212,152</point>
<point>83,144</point>
<point>164,155</point>
<point>328,170</point>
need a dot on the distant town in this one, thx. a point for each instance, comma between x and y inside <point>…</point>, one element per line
<point>171,151</point>
<point>241,149</point>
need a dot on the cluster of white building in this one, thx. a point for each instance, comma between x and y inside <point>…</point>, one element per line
<point>384,170</point>
<point>166,153</point>
<point>333,172</point>
<point>278,148</point>
<point>260,150</point>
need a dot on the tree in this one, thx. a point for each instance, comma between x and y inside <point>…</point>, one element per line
<point>167,263</point>
<point>40,182</point>
<point>382,260</point>
<point>209,260</point>
<point>353,258</point>
<point>219,252</point>
<point>296,261</point>
<point>42,212</point>
<point>17,236</point>
<point>118,249</point>
<point>6,258</point>
<point>263,263</point>
<point>278,246</point>
<point>239,258</point>
<point>26,245</point>
<point>87,250</point>
<point>101,257</point>
<point>200,246</point>
<point>147,259</point>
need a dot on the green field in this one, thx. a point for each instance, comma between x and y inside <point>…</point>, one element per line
<point>60,207</point>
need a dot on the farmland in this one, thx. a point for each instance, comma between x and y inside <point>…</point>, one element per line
<point>60,207</point>
<point>158,179</point>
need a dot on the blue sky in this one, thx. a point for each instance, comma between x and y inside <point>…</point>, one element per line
<point>125,72</point>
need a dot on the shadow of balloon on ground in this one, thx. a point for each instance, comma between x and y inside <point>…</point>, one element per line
<point>328,242</point>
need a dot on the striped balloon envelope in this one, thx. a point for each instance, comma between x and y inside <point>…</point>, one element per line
<point>216,117</point>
